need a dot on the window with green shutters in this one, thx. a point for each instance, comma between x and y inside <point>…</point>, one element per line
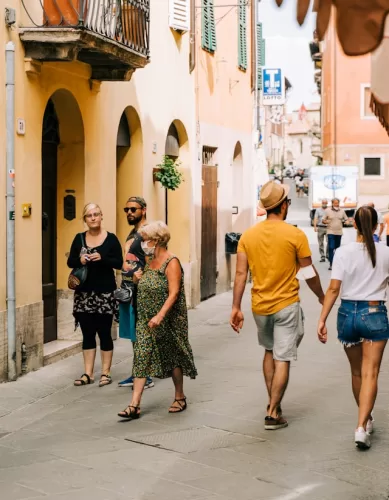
<point>208,27</point>
<point>242,34</point>
<point>261,60</point>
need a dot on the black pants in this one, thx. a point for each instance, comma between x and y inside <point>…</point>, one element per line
<point>92,323</point>
<point>387,240</point>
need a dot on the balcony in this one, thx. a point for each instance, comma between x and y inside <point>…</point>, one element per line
<point>112,36</point>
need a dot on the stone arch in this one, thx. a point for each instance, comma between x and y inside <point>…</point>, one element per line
<point>63,174</point>
<point>178,201</point>
<point>129,162</point>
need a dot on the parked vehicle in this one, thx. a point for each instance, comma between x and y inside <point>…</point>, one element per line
<point>328,182</point>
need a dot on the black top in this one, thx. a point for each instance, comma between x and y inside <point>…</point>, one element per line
<point>135,257</point>
<point>101,277</point>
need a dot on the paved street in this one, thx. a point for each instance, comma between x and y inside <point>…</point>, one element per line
<point>59,442</point>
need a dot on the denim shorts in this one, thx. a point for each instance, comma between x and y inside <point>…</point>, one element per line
<point>362,320</point>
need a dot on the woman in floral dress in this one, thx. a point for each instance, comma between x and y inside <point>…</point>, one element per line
<point>162,347</point>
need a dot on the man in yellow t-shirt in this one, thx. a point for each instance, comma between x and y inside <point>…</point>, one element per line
<point>278,255</point>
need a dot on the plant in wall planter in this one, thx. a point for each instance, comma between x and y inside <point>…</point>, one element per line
<point>167,173</point>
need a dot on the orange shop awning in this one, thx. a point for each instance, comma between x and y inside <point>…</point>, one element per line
<point>359,23</point>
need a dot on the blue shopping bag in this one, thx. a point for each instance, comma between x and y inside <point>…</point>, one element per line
<point>127,322</point>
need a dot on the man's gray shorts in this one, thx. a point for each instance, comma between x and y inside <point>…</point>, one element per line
<point>282,332</point>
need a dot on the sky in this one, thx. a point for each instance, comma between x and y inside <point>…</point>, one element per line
<point>287,47</point>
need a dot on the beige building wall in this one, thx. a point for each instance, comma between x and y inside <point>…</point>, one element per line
<point>89,164</point>
<point>224,106</point>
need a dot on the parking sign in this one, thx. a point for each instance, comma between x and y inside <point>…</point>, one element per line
<point>273,87</point>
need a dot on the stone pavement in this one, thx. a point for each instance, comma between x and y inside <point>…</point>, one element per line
<point>59,442</point>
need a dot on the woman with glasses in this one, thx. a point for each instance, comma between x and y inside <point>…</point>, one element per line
<point>94,304</point>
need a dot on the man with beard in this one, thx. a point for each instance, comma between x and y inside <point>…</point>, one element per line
<point>134,257</point>
<point>278,255</point>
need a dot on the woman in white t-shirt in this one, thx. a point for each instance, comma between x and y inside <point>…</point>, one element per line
<point>360,273</point>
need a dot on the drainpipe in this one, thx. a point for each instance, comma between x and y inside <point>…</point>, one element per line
<point>10,212</point>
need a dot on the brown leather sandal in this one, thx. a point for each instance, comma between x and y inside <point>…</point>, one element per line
<point>182,406</point>
<point>130,413</point>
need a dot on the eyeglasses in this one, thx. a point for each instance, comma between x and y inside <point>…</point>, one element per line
<point>131,209</point>
<point>93,216</point>
<point>289,202</point>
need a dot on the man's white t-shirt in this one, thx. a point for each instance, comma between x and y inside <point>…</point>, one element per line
<point>360,281</point>
<point>380,220</point>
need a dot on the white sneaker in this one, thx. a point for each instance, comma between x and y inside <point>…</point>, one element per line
<point>370,425</point>
<point>362,439</point>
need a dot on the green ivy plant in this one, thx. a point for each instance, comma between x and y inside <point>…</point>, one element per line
<point>168,174</point>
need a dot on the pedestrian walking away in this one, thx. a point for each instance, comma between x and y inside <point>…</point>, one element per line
<point>386,223</point>
<point>277,255</point>
<point>94,302</point>
<point>334,219</point>
<point>380,223</point>
<point>162,346</point>
<point>360,274</point>
<point>134,263</point>
<point>321,230</point>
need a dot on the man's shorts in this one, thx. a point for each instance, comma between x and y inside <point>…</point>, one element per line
<point>282,332</point>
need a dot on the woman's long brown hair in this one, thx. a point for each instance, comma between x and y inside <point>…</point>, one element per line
<point>366,220</point>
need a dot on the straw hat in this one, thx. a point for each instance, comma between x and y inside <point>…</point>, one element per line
<point>273,194</point>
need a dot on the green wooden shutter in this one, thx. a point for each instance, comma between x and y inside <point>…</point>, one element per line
<point>208,27</point>
<point>261,52</point>
<point>242,35</point>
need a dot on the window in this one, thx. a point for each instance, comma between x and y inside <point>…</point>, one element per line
<point>261,59</point>
<point>179,15</point>
<point>208,28</point>
<point>372,167</point>
<point>242,35</point>
<point>366,112</point>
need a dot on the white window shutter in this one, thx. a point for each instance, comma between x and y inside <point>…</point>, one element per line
<point>179,15</point>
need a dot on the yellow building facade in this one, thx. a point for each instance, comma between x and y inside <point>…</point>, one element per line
<point>89,139</point>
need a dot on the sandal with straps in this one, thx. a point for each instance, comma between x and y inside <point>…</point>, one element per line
<point>79,382</point>
<point>130,414</point>
<point>182,406</point>
<point>105,380</point>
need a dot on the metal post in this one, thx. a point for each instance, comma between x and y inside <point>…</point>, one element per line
<point>10,212</point>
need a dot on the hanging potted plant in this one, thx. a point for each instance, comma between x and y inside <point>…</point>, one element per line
<point>167,173</point>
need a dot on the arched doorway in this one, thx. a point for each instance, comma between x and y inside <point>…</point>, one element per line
<point>237,190</point>
<point>62,202</point>
<point>129,163</point>
<point>172,150</point>
<point>50,142</point>
<point>178,202</point>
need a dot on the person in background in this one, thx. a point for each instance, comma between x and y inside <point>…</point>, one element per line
<point>386,222</point>
<point>278,255</point>
<point>321,230</point>
<point>94,303</point>
<point>334,219</point>
<point>361,274</point>
<point>162,347</point>
<point>134,258</point>
<point>380,225</point>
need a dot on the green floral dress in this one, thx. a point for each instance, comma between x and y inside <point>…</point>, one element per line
<point>159,350</point>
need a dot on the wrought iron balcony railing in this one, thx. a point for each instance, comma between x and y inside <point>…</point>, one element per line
<point>104,26</point>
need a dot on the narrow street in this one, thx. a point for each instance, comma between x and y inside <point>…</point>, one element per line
<point>62,442</point>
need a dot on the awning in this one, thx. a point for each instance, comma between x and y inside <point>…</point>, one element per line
<point>380,80</point>
<point>359,23</point>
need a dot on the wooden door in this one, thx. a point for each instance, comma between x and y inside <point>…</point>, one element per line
<point>208,232</point>
<point>50,142</point>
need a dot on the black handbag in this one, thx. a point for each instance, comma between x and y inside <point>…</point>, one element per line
<point>124,294</point>
<point>78,275</point>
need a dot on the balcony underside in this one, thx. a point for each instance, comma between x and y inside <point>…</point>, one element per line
<point>109,59</point>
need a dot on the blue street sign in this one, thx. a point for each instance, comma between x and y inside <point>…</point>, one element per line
<point>272,82</point>
<point>273,87</point>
